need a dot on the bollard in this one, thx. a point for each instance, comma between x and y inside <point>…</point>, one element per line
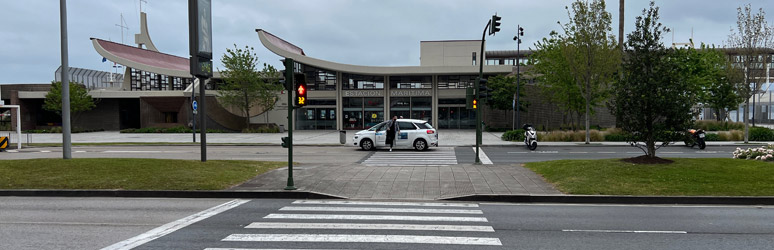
<point>343,136</point>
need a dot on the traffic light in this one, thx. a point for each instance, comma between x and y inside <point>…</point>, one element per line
<point>469,96</point>
<point>495,27</point>
<point>288,73</point>
<point>301,90</point>
<point>475,104</point>
<point>483,90</point>
<point>285,142</point>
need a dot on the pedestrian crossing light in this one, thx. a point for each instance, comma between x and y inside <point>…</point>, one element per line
<point>301,90</point>
<point>285,142</point>
<point>475,104</point>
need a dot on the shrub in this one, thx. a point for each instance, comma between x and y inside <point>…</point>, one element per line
<point>761,134</point>
<point>615,137</point>
<point>513,135</point>
<point>709,125</point>
<point>178,129</point>
<point>711,137</point>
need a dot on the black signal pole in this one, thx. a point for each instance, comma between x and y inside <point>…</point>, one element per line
<point>289,83</point>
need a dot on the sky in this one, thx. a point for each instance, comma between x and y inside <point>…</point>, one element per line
<point>360,32</point>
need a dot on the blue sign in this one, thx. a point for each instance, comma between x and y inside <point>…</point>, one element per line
<point>195,105</point>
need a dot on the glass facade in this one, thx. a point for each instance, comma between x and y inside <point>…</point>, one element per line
<point>319,79</point>
<point>318,115</point>
<point>411,82</point>
<point>362,112</point>
<point>420,108</point>
<point>353,81</point>
<point>452,114</point>
<point>456,82</point>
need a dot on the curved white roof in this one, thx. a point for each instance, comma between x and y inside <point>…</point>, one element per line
<point>287,50</point>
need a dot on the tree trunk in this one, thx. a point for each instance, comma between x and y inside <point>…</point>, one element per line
<point>651,148</point>
<point>588,118</point>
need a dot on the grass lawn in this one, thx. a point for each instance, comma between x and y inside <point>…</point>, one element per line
<point>129,174</point>
<point>684,177</point>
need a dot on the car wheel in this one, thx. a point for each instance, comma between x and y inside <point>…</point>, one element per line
<point>367,144</point>
<point>420,145</point>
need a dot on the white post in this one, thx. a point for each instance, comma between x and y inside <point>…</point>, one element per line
<point>18,126</point>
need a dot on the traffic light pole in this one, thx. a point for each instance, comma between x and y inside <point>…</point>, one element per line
<point>289,82</point>
<point>477,89</point>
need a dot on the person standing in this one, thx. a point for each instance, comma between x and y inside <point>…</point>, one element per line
<point>392,130</point>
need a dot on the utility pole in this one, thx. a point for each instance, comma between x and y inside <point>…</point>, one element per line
<point>66,142</point>
<point>517,38</point>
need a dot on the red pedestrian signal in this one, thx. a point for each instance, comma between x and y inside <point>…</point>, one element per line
<point>301,90</point>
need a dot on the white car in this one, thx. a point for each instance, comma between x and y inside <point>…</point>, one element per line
<point>417,134</point>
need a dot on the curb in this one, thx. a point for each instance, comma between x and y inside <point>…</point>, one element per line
<point>170,194</point>
<point>604,199</point>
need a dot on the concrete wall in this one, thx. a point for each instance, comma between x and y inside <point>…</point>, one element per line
<point>449,53</point>
<point>103,116</point>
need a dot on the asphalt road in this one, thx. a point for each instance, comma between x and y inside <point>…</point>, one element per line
<point>347,155</point>
<point>86,223</point>
<point>75,223</point>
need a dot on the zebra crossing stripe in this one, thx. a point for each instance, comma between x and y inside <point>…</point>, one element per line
<point>365,239</point>
<point>386,203</point>
<point>482,156</point>
<point>372,217</point>
<point>384,210</point>
<point>415,227</point>
<point>174,226</point>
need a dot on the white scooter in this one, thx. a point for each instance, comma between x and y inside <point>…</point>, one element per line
<point>530,136</point>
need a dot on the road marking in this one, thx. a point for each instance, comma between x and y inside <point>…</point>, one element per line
<point>640,152</point>
<point>140,151</point>
<point>605,152</point>
<point>414,239</point>
<point>271,225</point>
<point>12,151</point>
<point>45,151</point>
<point>371,217</point>
<point>80,151</point>
<point>624,231</point>
<point>384,210</point>
<point>406,165</point>
<point>387,203</point>
<point>482,156</point>
<point>174,226</point>
<point>672,152</point>
<point>265,249</point>
<point>627,205</point>
<point>517,152</point>
<point>579,152</point>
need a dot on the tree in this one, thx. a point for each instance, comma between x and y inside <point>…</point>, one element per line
<point>653,101</point>
<point>752,44</point>
<point>554,81</point>
<point>503,91</point>
<point>591,52</point>
<point>244,86</point>
<point>80,100</point>
<point>717,81</point>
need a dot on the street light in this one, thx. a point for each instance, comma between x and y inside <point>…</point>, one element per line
<point>517,38</point>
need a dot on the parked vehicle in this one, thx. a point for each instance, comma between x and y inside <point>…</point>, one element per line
<point>530,136</point>
<point>417,134</point>
<point>695,137</point>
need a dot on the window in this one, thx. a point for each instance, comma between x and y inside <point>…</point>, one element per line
<point>423,125</point>
<point>456,82</point>
<point>406,126</point>
<point>474,58</point>
<point>411,82</point>
<point>319,79</point>
<point>352,81</point>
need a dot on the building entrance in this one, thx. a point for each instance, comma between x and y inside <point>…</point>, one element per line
<point>456,118</point>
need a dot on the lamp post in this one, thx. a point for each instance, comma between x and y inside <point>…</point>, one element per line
<point>517,38</point>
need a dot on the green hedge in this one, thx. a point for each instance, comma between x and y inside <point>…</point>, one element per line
<point>711,137</point>
<point>56,130</point>
<point>718,125</point>
<point>615,137</point>
<point>513,135</point>
<point>178,129</point>
<point>761,134</point>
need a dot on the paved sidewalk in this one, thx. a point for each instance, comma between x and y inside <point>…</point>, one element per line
<point>303,137</point>
<point>367,182</point>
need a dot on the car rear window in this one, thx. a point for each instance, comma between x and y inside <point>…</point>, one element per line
<point>423,125</point>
